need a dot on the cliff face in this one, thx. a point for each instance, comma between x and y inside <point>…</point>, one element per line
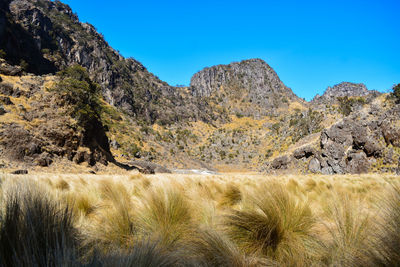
<point>250,81</point>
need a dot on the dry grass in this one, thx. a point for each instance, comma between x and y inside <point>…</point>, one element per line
<point>236,219</point>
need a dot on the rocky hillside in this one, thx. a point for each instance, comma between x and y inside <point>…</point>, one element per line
<point>249,87</point>
<point>45,36</point>
<point>65,94</point>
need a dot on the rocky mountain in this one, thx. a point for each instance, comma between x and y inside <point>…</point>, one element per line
<point>249,81</point>
<point>66,95</point>
<point>344,89</point>
<point>45,36</point>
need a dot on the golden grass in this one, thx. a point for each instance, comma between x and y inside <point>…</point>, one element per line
<point>235,219</point>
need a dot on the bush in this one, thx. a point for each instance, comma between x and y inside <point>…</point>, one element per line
<point>396,92</point>
<point>346,104</point>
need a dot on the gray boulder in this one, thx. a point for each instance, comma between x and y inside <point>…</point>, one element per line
<point>280,163</point>
<point>303,152</point>
<point>314,166</point>
<point>357,162</point>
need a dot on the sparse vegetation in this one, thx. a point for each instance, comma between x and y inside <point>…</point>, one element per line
<point>346,104</point>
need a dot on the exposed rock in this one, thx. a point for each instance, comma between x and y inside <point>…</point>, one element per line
<point>8,69</point>
<point>342,90</point>
<point>147,170</point>
<point>149,167</point>
<point>48,36</point>
<point>391,134</point>
<point>303,152</point>
<point>6,89</point>
<point>346,146</point>
<point>357,162</point>
<point>314,166</point>
<point>252,81</point>
<point>388,159</point>
<point>6,100</point>
<point>20,172</point>
<point>44,160</point>
<point>280,163</point>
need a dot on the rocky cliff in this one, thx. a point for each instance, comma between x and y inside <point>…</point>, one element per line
<point>45,36</point>
<point>249,81</point>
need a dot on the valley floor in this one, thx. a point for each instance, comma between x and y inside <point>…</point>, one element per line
<point>228,219</point>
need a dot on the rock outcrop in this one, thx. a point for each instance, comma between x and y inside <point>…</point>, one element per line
<point>249,81</point>
<point>346,147</point>
<point>344,89</point>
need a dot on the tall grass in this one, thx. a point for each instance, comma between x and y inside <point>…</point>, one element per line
<point>348,227</point>
<point>165,215</point>
<point>384,245</point>
<point>226,220</point>
<point>35,230</point>
<point>274,223</point>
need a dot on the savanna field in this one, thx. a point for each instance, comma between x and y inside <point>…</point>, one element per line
<point>230,219</point>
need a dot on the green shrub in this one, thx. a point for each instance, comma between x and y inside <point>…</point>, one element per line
<point>78,91</point>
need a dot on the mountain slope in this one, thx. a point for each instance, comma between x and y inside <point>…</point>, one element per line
<point>46,36</point>
<point>239,116</point>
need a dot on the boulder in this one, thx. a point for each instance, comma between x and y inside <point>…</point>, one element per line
<point>303,152</point>
<point>7,69</point>
<point>391,134</point>
<point>147,170</point>
<point>44,160</point>
<point>314,166</point>
<point>357,162</point>
<point>280,163</point>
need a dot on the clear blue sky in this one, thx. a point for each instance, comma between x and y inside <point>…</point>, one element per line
<point>310,44</point>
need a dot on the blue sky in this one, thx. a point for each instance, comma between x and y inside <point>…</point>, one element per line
<point>310,44</point>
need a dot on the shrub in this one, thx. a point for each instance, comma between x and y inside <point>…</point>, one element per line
<point>346,104</point>
<point>78,91</point>
<point>396,92</point>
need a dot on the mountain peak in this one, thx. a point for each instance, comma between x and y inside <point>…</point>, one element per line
<point>248,81</point>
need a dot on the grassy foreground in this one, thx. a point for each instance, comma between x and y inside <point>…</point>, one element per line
<point>194,220</point>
